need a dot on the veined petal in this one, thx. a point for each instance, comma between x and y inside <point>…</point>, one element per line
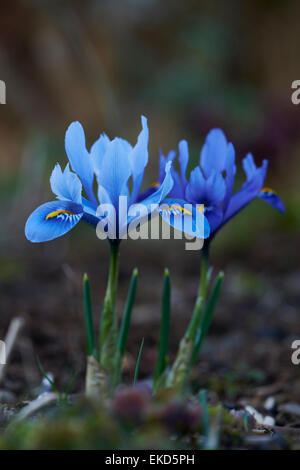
<point>79,157</point>
<point>185,217</point>
<point>139,158</point>
<point>215,188</point>
<point>163,161</point>
<point>249,166</point>
<point>51,220</point>
<point>152,202</point>
<point>213,153</point>
<point>272,198</point>
<point>97,152</point>
<point>209,191</point>
<point>163,190</point>
<point>196,188</point>
<point>65,184</point>
<point>114,170</point>
<point>177,190</point>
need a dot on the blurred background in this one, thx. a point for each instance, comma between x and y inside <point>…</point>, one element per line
<point>188,66</point>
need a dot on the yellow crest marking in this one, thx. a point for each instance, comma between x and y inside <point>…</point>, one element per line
<point>60,211</point>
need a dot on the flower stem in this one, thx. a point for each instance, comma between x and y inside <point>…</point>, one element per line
<point>108,326</point>
<point>179,373</point>
<point>192,330</point>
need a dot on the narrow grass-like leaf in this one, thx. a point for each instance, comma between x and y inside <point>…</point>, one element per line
<point>213,438</point>
<point>122,340</point>
<point>136,372</point>
<point>127,313</point>
<point>70,386</point>
<point>207,317</point>
<point>205,414</point>
<point>88,316</point>
<point>246,421</point>
<point>44,374</point>
<point>162,359</point>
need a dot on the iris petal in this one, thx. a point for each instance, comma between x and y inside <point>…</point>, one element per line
<point>230,175</point>
<point>138,159</point>
<point>249,166</point>
<point>114,170</point>
<point>213,153</point>
<point>249,190</point>
<point>214,216</point>
<point>97,152</point>
<point>209,191</point>
<point>65,184</point>
<point>183,159</point>
<point>196,188</point>
<point>185,218</point>
<point>79,157</point>
<point>270,196</point>
<point>163,190</point>
<point>51,220</point>
<point>152,202</point>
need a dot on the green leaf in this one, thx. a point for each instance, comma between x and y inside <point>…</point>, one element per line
<point>136,372</point>
<point>162,359</point>
<point>122,341</point>
<point>44,374</point>
<point>88,316</point>
<point>207,316</point>
<point>69,386</point>
<point>205,414</point>
<point>127,313</point>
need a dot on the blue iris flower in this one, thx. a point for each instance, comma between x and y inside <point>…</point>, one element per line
<point>115,164</point>
<point>211,182</point>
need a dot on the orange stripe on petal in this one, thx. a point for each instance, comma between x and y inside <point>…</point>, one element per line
<point>267,190</point>
<point>155,185</point>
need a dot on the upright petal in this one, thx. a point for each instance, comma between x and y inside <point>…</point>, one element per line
<point>196,189</point>
<point>79,157</point>
<point>139,158</point>
<point>213,153</point>
<point>152,202</point>
<point>183,160</point>
<point>209,191</point>
<point>249,166</point>
<point>51,220</point>
<point>163,190</point>
<point>115,170</point>
<point>66,185</point>
<point>163,161</point>
<point>230,175</point>
<point>97,152</point>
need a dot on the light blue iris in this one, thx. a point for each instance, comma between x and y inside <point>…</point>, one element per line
<point>211,182</point>
<point>114,163</point>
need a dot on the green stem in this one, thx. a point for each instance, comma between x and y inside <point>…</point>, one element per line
<point>181,368</point>
<point>108,326</point>
<point>192,330</point>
